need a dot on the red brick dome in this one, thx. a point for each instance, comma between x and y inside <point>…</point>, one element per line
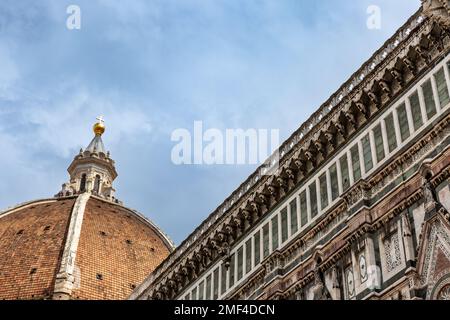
<point>82,244</point>
<point>76,247</point>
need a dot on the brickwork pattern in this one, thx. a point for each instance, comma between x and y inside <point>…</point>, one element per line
<point>31,244</point>
<point>115,253</point>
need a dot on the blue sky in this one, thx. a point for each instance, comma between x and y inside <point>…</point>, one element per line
<point>152,66</point>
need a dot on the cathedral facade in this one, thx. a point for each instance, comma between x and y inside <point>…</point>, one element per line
<point>83,243</point>
<point>358,207</point>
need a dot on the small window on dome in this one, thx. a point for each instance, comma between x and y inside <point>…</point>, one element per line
<point>99,276</point>
<point>20,232</point>
<point>47,228</point>
<point>128,241</point>
<point>33,270</point>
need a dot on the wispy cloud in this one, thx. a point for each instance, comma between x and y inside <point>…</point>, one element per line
<point>153,66</point>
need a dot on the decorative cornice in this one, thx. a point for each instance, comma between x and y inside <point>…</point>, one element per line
<point>99,158</point>
<point>437,134</point>
<point>368,228</point>
<point>372,88</point>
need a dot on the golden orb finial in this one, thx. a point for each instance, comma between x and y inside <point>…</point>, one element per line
<point>99,127</point>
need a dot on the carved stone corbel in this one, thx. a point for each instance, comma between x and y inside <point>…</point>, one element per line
<point>363,109</point>
<point>264,203</point>
<point>320,148</point>
<point>410,65</point>
<point>351,119</point>
<point>206,255</point>
<point>237,224</point>
<point>373,98</point>
<point>158,296</point>
<point>301,166</point>
<point>172,287</point>
<point>273,191</point>
<point>330,138</point>
<point>186,274</point>
<point>282,184</point>
<point>423,54</point>
<point>340,128</point>
<point>247,217</point>
<point>309,155</point>
<point>290,173</point>
<point>230,230</point>
<point>255,209</point>
<point>194,267</point>
<point>398,76</point>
